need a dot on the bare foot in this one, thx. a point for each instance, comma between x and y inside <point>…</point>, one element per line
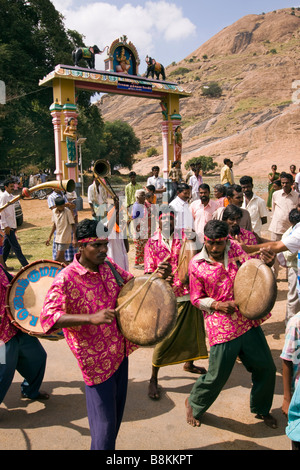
<point>189,415</point>
<point>269,420</point>
<point>153,390</point>
<point>190,367</point>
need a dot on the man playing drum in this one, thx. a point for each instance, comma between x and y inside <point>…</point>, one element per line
<point>230,334</point>
<point>19,351</point>
<point>82,302</point>
<point>186,342</point>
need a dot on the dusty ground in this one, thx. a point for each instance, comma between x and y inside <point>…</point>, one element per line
<point>61,422</point>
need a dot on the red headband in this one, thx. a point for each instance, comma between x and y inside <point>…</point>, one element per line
<point>171,214</point>
<point>91,239</point>
<point>215,239</point>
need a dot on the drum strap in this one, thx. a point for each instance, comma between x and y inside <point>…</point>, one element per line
<point>118,277</point>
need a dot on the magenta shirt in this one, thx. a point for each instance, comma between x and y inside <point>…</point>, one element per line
<point>7,329</point>
<point>156,251</point>
<point>99,349</point>
<point>213,280</point>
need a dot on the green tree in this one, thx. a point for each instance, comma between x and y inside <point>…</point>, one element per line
<point>33,40</point>
<point>213,90</point>
<point>207,163</point>
<point>119,144</point>
<point>91,126</point>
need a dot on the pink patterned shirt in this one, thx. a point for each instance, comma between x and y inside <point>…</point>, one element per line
<point>7,329</point>
<point>247,238</point>
<point>156,250</point>
<point>211,281</point>
<point>99,349</point>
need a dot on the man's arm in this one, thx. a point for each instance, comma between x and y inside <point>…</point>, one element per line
<point>276,247</point>
<point>287,374</point>
<point>69,320</point>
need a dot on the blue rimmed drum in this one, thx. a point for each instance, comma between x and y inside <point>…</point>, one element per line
<point>26,294</point>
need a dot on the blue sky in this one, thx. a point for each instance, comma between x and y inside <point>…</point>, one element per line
<point>168,30</point>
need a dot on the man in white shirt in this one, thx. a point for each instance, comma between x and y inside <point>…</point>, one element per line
<point>283,201</point>
<point>180,206</point>
<point>297,182</point>
<point>9,225</point>
<point>97,197</point>
<point>158,183</point>
<point>254,204</point>
<point>195,181</point>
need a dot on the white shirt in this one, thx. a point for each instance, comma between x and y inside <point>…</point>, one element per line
<point>195,182</point>
<point>183,215</point>
<point>8,215</point>
<point>257,209</point>
<point>158,183</point>
<point>96,197</point>
<point>292,240</point>
<point>297,180</point>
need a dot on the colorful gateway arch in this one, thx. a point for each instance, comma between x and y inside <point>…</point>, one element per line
<point>121,76</point>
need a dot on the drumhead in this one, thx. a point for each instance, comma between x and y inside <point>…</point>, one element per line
<point>26,294</point>
<point>255,289</point>
<point>151,315</point>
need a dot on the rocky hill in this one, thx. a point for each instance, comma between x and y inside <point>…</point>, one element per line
<point>256,121</point>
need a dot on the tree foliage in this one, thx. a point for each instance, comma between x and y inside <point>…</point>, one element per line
<point>33,40</point>
<point>212,90</point>
<point>120,144</point>
<point>207,163</point>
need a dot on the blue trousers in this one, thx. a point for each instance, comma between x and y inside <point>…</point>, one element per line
<point>25,354</point>
<point>10,241</point>
<point>105,407</point>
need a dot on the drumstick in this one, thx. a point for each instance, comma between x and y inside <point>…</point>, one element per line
<point>141,287</point>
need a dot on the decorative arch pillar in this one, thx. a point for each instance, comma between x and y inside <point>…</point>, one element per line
<point>171,132</point>
<point>62,110</point>
<point>56,111</point>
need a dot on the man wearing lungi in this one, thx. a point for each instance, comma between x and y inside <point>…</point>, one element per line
<point>186,342</point>
<point>82,302</point>
<point>231,335</point>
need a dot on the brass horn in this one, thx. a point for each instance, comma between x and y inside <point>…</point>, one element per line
<point>64,185</point>
<point>101,170</point>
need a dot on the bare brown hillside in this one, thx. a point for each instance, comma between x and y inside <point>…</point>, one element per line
<point>255,121</point>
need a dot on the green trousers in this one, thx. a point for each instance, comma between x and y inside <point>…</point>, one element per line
<point>254,352</point>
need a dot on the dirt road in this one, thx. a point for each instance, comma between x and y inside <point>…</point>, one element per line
<point>61,422</point>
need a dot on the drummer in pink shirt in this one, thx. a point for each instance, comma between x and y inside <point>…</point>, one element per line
<point>231,335</point>
<point>82,302</point>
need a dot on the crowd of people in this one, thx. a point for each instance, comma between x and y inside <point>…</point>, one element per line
<point>225,228</point>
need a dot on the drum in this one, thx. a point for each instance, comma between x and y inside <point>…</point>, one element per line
<point>255,289</point>
<point>26,294</point>
<point>151,314</point>
<point>187,252</point>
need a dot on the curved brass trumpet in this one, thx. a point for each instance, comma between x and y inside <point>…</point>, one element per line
<point>101,170</point>
<point>64,185</point>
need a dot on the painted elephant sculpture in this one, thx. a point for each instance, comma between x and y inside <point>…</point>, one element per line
<point>154,68</point>
<point>86,53</point>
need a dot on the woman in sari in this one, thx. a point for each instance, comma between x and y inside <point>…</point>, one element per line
<point>272,176</point>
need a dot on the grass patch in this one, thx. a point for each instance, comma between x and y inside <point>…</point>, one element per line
<point>32,242</point>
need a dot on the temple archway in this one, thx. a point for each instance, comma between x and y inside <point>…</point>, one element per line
<point>66,79</point>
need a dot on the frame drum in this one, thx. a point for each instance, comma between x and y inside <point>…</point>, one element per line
<point>151,314</point>
<point>255,289</point>
<point>187,252</point>
<point>26,294</point>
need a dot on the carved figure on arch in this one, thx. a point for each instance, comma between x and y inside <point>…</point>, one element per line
<point>87,53</point>
<point>154,68</point>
